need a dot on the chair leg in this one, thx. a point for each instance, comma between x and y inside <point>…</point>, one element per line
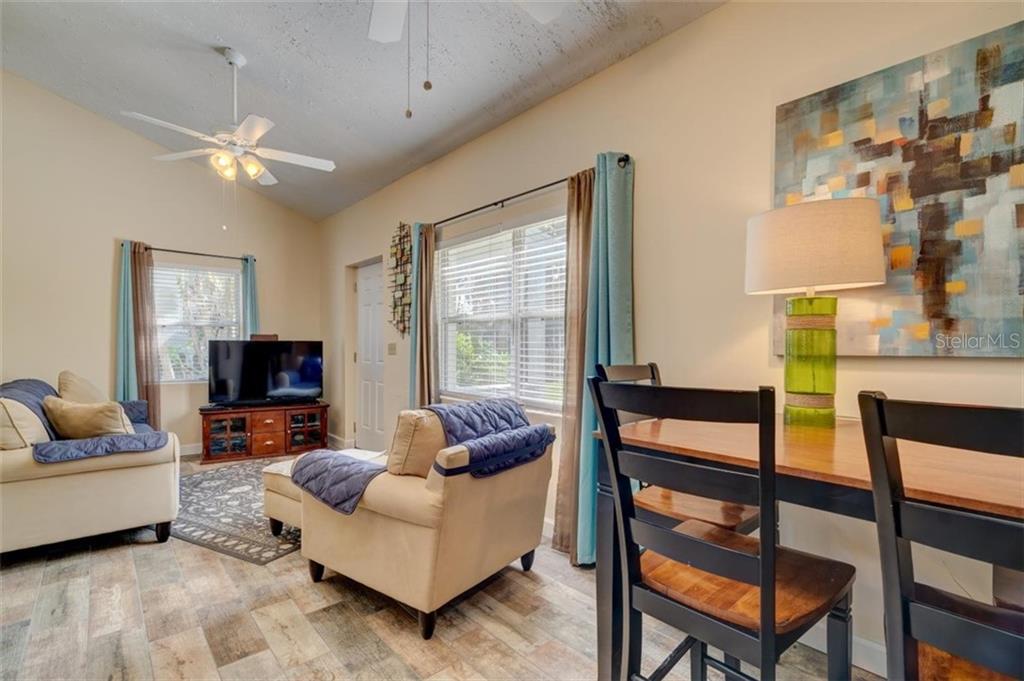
<point>276,526</point>
<point>698,667</point>
<point>733,662</point>
<point>427,622</point>
<point>633,631</point>
<point>163,531</point>
<point>527,561</point>
<point>316,571</point>
<point>840,641</point>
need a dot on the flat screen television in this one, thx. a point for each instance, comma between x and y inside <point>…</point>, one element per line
<point>259,372</point>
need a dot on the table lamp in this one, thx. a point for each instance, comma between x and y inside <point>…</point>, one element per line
<point>823,245</point>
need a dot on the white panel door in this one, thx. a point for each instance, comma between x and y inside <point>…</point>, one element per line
<point>370,358</point>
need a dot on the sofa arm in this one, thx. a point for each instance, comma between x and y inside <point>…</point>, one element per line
<point>448,459</point>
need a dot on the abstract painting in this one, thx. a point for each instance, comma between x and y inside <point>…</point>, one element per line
<point>939,141</point>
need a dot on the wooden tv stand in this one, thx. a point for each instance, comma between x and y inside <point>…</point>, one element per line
<point>234,433</point>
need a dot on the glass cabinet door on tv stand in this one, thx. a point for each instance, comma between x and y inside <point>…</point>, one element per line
<point>227,435</point>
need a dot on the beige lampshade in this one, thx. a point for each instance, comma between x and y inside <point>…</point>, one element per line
<point>825,245</point>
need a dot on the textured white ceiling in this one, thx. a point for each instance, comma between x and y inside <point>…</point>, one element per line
<point>332,92</point>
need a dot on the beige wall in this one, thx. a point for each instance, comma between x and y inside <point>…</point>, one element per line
<point>74,184</point>
<point>696,112</point>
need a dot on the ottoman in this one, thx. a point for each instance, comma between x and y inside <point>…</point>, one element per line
<point>282,499</point>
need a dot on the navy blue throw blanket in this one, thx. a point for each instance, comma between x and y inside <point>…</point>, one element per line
<point>104,445</point>
<point>495,432</point>
<point>31,392</point>
<point>334,478</point>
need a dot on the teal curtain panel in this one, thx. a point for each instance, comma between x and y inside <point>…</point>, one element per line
<point>609,330</point>
<point>126,379</point>
<point>250,302</point>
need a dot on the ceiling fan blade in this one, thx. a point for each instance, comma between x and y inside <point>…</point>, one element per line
<point>170,126</point>
<point>185,154</point>
<point>253,127</point>
<point>297,159</point>
<point>266,179</point>
<point>542,12</point>
<point>387,20</point>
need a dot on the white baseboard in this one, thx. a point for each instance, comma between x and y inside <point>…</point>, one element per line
<point>192,449</point>
<point>868,655</point>
<point>338,442</point>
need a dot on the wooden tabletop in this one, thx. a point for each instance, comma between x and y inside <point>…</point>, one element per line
<point>980,482</point>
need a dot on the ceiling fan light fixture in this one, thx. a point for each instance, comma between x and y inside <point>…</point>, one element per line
<point>229,172</point>
<point>222,160</point>
<point>252,167</point>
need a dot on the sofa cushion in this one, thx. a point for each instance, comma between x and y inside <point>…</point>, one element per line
<point>18,464</point>
<point>31,392</point>
<point>75,421</point>
<point>278,478</point>
<point>75,388</point>
<point>419,436</point>
<point>19,426</point>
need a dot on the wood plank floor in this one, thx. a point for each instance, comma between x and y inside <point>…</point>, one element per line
<point>121,606</point>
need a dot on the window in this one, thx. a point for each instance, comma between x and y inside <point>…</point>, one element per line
<point>194,305</point>
<point>501,314</point>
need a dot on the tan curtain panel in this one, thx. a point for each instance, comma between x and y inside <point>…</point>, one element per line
<point>426,374</point>
<point>147,360</point>
<point>579,213</point>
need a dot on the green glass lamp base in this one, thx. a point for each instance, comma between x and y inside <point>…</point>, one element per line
<point>811,361</point>
<point>808,416</point>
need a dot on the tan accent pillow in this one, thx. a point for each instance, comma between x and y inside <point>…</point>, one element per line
<point>74,388</point>
<point>75,421</point>
<point>418,438</point>
<point>19,426</point>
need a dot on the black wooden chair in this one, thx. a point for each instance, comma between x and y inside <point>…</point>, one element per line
<point>930,633</point>
<point>703,579</point>
<point>666,502</point>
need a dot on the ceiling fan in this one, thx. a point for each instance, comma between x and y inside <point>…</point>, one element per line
<point>387,17</point>
<point>238,146</point>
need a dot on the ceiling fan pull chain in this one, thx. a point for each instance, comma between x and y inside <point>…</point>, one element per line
<point>408,62</point>
<point>427,85</point>
<point>234,93</point>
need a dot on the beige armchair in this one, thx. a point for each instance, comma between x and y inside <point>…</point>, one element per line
<point>421,537</point>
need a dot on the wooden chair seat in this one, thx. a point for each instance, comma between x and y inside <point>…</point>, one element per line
<point>682,507</point>
<point>806,586</point>
<point>938,665</point>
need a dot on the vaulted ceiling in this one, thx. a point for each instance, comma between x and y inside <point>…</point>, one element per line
<point>332,92</point>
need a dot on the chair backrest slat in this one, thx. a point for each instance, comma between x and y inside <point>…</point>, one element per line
<point>965,637</point>
<point>624,465</point>
<point>697,553</point>
<point>911,610</point>
<point>993,540</point>
<point>630,372</point>
<point>685,404</point>
<point>996,430</point>
<point>733,486</point>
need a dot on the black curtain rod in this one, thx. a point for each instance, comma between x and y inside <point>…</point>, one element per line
<point>205,255</point>
<point>500,203</point>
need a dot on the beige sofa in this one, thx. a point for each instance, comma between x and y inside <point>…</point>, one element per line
<point>421,537</point>
<point>42,503</point>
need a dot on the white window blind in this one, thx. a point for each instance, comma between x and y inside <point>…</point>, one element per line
<point>501,315</point>
<point>194,305</point>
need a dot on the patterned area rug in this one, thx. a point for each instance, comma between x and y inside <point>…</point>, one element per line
<point>222,510</point>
